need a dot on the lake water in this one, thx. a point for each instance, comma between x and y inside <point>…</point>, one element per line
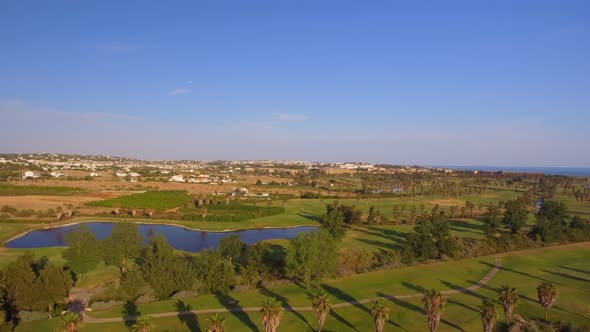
<point>178,237</point>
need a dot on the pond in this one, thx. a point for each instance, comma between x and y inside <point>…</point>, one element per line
<point>178,237</point>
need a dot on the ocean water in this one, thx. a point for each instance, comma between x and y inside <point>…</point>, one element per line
<point>568,171</point>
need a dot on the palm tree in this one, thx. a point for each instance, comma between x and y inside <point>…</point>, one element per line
<point>271,314</point>
<point>319,303</point>
<point>509,300</point>
<point>380,314</point>
<point>143,323</point>
<point>488,315</point>
<point>70,322</point>
<point>453,210</point>
<point>470,206</point>
<point>216,323</point>
<point>547,294</point>
<point>433,304</point>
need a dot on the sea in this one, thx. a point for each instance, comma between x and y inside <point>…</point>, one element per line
<point>567,171</point>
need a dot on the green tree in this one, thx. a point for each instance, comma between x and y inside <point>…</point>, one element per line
<point>70,322</point>
<point>509,299</point>
<point>216,323</point>
<point>333,221</point>
<point>492,220</point>
<point>231,247</point>
<point>271,312</point>
<point>470,206</point>
<point>515,215</point>
<point>547,295</point>
<point>163,270</point>
<point>311,256</point>
<point>488,315</point>
<point>142,323</point>
<point>433,305</point>
<point>83,251</point>
<point>19,278</point>
<point>320,303</point>
<point>52,286</point>
<point>255,266</point>
<point>552,221</point>
<point>214,273</point>
<point>122,246</point>
<point>380,314</point>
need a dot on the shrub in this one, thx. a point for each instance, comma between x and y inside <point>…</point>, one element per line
<point>8,209</point>
<point>29,316</point>
<point>25,213</point>
<point>354,260</point>
<point>388,259</point>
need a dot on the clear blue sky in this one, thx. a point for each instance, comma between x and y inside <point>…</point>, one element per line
<point>404,82</point>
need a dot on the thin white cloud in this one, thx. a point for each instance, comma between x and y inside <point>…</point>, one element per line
<point>179,91</point>
<point>286,117</point>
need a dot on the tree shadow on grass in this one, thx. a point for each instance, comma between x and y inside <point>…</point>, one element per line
<point>381,244</point>
<point>417,289</point>
<point>463,290</point>
<point>342,320</point>
<point>267,292</point>
<point>309,216</point>
<point>187,317</point>
<point>415,308</point>
<point>337,293</point>
<point>391,298</point>
<point>233,306</point>
<point>130,312</point>
<point>565,275</point>
<point>518,272</point>
<point>575,270</point>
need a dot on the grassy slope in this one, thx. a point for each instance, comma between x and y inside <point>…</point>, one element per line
<point>566,266</point>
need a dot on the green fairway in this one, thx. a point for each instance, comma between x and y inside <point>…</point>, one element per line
<point>566,266</point>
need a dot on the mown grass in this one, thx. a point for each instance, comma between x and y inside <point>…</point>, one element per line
<point>157,199</point>
<point>23,190</point>
<point>566,266</point>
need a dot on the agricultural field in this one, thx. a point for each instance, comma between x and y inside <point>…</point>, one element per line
<point>158,200</point>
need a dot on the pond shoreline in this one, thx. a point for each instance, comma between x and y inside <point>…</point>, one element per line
<point>144,222</point>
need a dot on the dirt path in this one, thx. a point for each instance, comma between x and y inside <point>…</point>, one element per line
<point>476,286</point>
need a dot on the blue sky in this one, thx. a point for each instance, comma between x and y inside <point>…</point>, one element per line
<point>402,82</point>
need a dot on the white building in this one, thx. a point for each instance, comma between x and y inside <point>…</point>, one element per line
<point>57,174</point>
<point>177,178</point>
<point>93,174</point>
<point>31,175</point>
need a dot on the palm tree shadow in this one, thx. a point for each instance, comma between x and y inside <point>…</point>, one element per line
<point>267,292</point>
<point>415,288</point>
<point>129,313</point>
<point>575,270</point>
<point>418,309</point>
<point>518,272</point>
<point>461,289</point>
<point>565,275</point>
<point>233,306</point>
<point>391,298</point>
<point>342,320</point>
<point>187,317</point>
